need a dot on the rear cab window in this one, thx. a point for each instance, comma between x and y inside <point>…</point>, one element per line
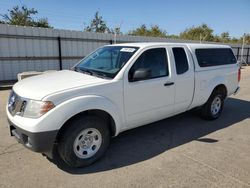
<point>208,57</point>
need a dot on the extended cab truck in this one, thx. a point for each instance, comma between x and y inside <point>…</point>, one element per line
<point>74,113</point>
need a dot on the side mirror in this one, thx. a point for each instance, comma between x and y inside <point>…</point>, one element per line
<point>141,74</point>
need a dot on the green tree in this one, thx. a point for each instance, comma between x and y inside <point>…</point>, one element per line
<point>153,31</point>
<point>116,30</point>
<point>216,38</point>
<point>247,39</point>
<point>98,25</point>
<point>24,16</point>
<point>202,32</point>
<point>225,37</point>
<point>173,36</point>
<point>234,40</point>
<point>42,22</point>
<point>156,31</point>
<point>140,31</point>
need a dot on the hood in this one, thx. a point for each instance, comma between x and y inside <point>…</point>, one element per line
<point>37,87</point>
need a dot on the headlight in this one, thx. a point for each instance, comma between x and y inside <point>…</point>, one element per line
<point>35,109</point>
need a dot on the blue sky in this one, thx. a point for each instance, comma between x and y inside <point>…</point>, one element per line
<point>171,15</point>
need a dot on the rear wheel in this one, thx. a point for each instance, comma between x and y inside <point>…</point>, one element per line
<point>214,106</point>
<point>84,141</point>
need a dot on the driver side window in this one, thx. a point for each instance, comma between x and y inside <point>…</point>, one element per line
<point>153,59</point>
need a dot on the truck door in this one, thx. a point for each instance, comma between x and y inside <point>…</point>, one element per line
<point>152,98</point>
<point>184,78</point>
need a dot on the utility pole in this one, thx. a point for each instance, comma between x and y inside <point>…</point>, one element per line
<point>242,60</point>
<point>203,38</point>
<point>116,31</point>
<point>115,37</point>
<point>242,49</point>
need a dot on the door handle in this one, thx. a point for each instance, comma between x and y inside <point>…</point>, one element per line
<point>169,84</point>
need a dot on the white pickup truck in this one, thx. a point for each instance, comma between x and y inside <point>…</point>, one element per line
<point>74,113</point>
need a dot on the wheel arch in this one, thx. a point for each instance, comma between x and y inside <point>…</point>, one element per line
<point>97,112</point>
<point>64,112</point>
<point>206,110</point>
<point>217,83</point>
<point>222,88</point>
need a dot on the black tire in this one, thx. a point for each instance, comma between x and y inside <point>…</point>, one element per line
<point>75,127</point>
<point>206,112</point>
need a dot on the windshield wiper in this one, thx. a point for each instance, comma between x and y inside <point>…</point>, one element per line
<point>78,69</point>
<point>92,73</point>
<point>100,75</point>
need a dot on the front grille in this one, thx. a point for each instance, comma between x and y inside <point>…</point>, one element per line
<point>16,104</point>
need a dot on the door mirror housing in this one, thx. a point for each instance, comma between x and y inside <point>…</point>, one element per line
<point>141,74</point>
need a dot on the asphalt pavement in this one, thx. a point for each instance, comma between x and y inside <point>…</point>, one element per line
<point>182,151</point>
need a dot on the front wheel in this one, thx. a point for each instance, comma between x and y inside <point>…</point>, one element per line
<point>84,141</point>
<point>214,106</point>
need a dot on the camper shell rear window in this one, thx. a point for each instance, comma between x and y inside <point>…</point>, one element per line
<point>215,56</point>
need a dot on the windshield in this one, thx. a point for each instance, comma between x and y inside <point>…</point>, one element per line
<point>106,61</point>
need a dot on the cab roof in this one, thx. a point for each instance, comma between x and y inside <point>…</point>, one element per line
<point>190,45</point>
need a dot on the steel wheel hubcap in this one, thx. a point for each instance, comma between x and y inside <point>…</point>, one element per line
<point>216,105</point>
<point>87,143</point>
